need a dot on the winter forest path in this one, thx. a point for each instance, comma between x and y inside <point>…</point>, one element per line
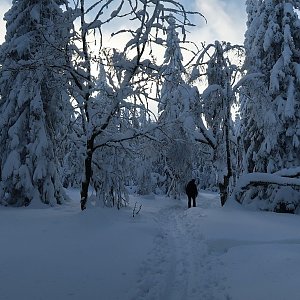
<point>180,266</point>
<point>166,252</point>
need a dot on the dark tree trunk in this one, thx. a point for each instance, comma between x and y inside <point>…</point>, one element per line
<point>224,187</point>
<point>87,174</point>
<point>90,141</point>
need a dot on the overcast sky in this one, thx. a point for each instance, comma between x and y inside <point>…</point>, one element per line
<point>225,20</point>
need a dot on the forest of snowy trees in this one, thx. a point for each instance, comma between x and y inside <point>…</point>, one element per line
<point>152,114</point>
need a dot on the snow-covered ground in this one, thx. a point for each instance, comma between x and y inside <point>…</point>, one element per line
<point>165,252</point>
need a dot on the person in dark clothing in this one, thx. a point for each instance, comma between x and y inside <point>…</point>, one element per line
<point>192,192</point>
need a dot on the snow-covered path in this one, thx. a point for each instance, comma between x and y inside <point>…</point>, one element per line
<point>166,252</point>
<point>214,253</point>
<point>179,266</point>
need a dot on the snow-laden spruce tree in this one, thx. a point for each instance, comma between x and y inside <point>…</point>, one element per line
<point>270,118</point>
<point>34,105</point>
<point>255,96</point>
<point>176,105</point>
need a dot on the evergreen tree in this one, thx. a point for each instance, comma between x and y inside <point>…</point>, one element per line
<point>34,105</point>
<point>270,118</point>
<point>255,94</point>
<point>176,106</point>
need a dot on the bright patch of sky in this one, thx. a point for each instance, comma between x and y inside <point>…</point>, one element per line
<point>226,20</point>
<point>4,6</point>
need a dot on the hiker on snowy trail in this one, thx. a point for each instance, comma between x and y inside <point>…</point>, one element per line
<point>192,192</point>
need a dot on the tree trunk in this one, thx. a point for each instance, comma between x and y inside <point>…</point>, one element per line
<point>223,187</point>
<point>87,174</point>
<point>90,141</point>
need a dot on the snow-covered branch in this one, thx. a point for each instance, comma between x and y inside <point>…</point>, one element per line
<point>245,79</point>
<point>125,136</point>
<point>265,179</point>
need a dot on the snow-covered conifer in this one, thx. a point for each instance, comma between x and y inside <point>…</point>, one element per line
<point>176,106</point>
<point>270,119</point>
<point>34,105</point>
<point>255,94</point>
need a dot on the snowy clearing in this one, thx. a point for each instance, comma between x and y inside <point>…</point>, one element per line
<point>166,252</point>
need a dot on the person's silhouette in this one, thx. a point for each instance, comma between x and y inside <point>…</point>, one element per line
<point>192,192</point>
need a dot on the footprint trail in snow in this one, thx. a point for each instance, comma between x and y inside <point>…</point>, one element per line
<point>180,266</point>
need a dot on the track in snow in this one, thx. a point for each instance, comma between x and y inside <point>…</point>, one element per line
<point>180,266</point>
